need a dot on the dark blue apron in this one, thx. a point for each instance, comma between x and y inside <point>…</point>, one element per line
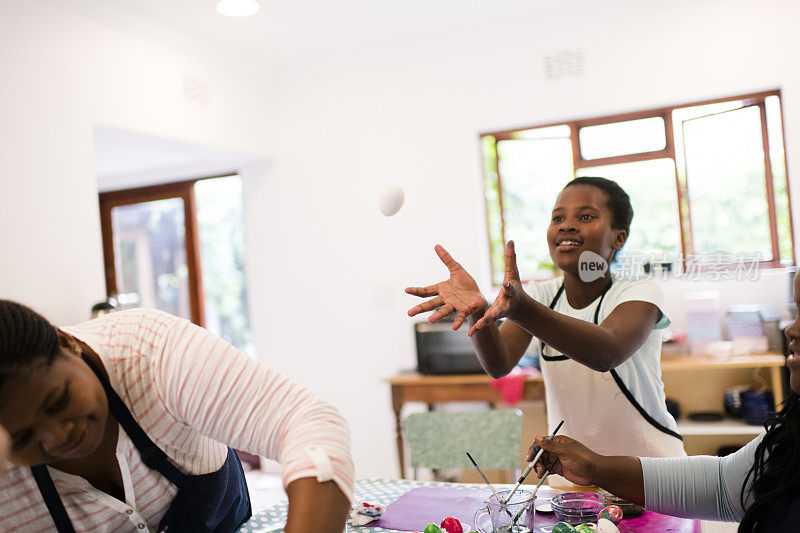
<point>217,501</point>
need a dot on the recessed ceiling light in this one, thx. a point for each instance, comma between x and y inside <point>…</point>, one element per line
<point>237,8</point>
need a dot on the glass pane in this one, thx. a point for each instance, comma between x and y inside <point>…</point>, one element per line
<point>222,252</point>
<point>678,116</point>
<point>777,159</point>
<point>532,172</point>
<point>725,178</point>
<point>150,256</point>
<point>549,132</point>
<point>655,230</point>
<point>622,138</point>
<point>493,217</point>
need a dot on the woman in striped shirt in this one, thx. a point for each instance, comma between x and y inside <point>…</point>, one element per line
<point>123,423</point>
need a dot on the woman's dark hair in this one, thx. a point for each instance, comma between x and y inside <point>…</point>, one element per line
<point>618,200</point>
<point>25,336</point>
<point>774,473</point>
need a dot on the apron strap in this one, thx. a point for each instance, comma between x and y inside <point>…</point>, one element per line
<point>152,455</point>
<point>629,395</point>
<point>596,318</point>
<point>621,384</point>
<point>51,499</point>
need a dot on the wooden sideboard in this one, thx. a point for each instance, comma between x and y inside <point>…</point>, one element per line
<point>686,378</point>
<point>415,387</point>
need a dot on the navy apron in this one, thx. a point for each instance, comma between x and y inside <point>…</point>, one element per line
<point>217,501</point>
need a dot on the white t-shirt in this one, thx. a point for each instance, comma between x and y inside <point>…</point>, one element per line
<point>617,412</point>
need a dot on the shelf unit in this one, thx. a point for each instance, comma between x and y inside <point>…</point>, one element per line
<point>698,383</point>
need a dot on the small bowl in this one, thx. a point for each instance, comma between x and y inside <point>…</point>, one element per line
<point>576,507</point>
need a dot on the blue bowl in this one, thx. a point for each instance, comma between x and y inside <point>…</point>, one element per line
<point>756,406</point>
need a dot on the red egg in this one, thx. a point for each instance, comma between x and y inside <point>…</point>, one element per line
<point>452,525</point>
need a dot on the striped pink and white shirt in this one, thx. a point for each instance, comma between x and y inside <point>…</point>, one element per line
<point>193,394</point>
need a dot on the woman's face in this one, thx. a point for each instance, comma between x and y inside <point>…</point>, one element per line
<point>54,412</point>
<point>582,221</point>
<point>793,337</point>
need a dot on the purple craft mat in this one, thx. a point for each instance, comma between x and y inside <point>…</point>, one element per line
<point>418,507</point>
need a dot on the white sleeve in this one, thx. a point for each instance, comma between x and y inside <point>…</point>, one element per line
<point>228,396</point>
<point>644,290</point>
<point>700,486</point>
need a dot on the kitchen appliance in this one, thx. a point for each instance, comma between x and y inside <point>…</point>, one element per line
<point>440,350</point>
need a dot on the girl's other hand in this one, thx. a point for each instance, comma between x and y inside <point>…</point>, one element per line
<point>459,294</point>
<point>511,295</point>
<point>566,457</point>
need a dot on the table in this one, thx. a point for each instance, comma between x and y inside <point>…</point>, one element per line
<point>386,491</point>
<point>415,387</point>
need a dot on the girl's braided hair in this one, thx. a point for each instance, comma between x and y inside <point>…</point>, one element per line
<point>25,336</point>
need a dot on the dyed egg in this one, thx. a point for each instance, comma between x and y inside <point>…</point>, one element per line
<point>452,525</point>
<point>586,528</point>
<point>612,512</point>
<point>605,525</point>
<point>563,527</point>
<point>432,528</point>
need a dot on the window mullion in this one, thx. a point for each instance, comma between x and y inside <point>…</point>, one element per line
<point>193,256</point>
<point>773,219</point>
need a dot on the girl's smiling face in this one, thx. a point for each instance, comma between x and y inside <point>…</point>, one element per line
<point>54,412</point>
<point>582,221</point>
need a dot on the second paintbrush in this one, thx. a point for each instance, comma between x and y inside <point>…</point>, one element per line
<point>528,468</point>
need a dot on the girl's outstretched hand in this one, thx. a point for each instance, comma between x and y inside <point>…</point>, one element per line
<point>565,457</point>
<point>459,294</point>
<point>510,296</point>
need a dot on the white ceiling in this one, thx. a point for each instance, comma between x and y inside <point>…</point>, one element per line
<point>301,27</point>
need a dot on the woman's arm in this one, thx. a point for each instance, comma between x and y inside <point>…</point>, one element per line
<point>228,396</point>
<point>499,348</point>
<point>600,347</point>
<point>620,475</point>
<point>701,486</point>
<point>694,487</point>
<point>315,507</point>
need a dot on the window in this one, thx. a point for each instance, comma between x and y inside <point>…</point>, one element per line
<point>179,247</point>
<point>707,180</point>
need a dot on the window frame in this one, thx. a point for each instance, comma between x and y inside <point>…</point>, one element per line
<point>668,152</point>
<point>183,190</point>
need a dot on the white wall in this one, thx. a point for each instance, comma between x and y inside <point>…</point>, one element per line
<point>326,270</point>
<point>410,115</point>
<point>63,74</point>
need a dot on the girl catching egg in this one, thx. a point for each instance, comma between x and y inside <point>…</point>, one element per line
<point>600,334</point>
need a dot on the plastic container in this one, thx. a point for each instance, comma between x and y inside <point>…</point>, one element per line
<point>576,507</point>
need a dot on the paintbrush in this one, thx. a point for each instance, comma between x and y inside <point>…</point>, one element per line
<point>533,462</point>
<point>533,496</point>
<point>496,495</point>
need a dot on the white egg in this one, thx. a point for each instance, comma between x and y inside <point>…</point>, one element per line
<point>391,200</point>
<point>605,525</point>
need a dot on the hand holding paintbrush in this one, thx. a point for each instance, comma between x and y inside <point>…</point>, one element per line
<point>537,455</point>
